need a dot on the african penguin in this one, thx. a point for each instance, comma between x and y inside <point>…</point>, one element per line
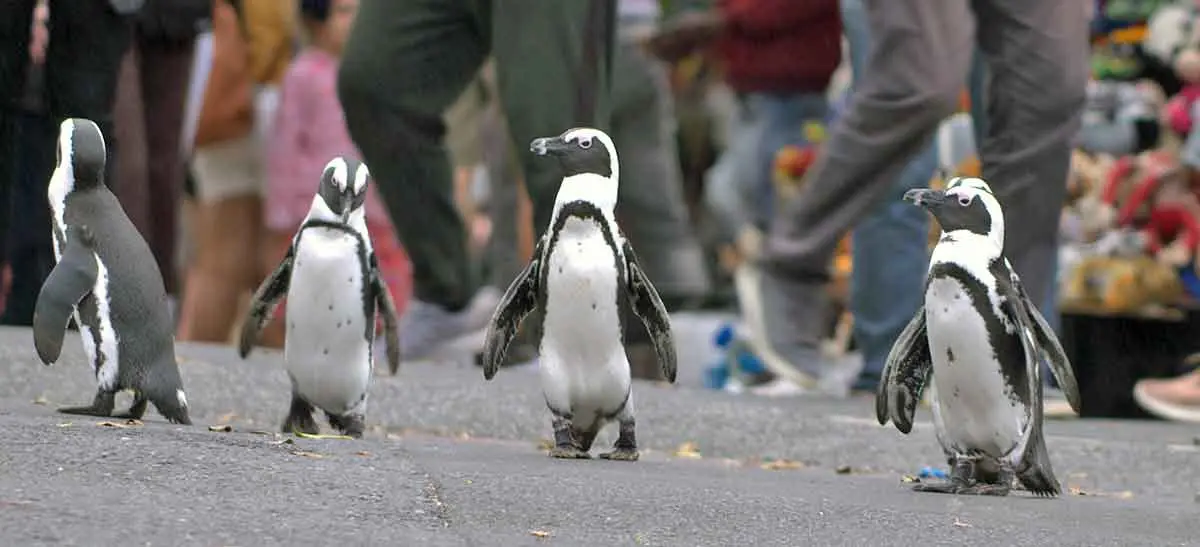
<point>333,285</point>
<point>581,268</point>
<point>982,340</point>
<point>107,280</point>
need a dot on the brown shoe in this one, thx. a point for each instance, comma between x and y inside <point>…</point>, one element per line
<point>1171,398</point>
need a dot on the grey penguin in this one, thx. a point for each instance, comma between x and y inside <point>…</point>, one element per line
<point>333,286</point>
<point>106,279</point>
<point>581,268</point>
<point>982,341</point>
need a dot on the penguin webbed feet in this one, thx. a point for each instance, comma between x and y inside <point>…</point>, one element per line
<point>568,442</point>
<point>300,418</point>
<point>625,449</point>
<point>351,425</point>
<point>969,479</point>
<point>102,406</point>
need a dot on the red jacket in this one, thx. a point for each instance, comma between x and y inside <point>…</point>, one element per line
<point>780,45</point>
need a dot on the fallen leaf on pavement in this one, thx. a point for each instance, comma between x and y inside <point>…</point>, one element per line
<point>303,435</point>
<point>688,450</point>
<point>41,400</point>
<point>545,444</point>
<point>960,523</point>
<point>66,424</point>
<point>282,441</point>
<point>363,453</point>
<point>308,454</point>
<point>224,428</point>
<point>844,470</point>
<point>775,465</point>
<point>541,534</point>
<point>910,478</point>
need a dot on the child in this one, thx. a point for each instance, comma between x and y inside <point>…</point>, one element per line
<point>309,131</point>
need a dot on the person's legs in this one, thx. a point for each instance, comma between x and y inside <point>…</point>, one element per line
<point>913,79</point>
<point>31,254</point>
<point>404,64</point>
<point>226,227</point>
<point>650,205</point>
<point>889,245</point>
<point>1037,56</point>
<point>165,70</point>
<point>16,19</point>
<point>87,42</point>
<point>553,69</point>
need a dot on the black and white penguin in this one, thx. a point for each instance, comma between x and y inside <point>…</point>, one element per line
<point>107,279</point>
<point>333,287</point>
<point>581,268</point>
<point>983,341</point>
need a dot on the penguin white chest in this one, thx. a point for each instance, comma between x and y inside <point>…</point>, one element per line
<point>583,365</point>
<point>326,350</point>
<point>974,406</point>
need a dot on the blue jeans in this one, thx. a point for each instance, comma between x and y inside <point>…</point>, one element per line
<point>739,189</point>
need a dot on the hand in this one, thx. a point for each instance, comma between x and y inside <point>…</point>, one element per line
<point>683,35</point>
<point>39,36</point>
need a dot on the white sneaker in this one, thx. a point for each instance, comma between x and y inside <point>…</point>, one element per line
<point>426,328</point>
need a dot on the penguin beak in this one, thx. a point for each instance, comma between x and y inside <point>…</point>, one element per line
<point>547,145</point>
<point>924,197</point>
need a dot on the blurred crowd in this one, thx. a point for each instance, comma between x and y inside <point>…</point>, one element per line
<point>764,145</point>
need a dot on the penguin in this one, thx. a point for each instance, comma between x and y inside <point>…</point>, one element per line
<point>581,269</point>
<point>333,286</point>
<point>106,279</point>
<point>981,340</point>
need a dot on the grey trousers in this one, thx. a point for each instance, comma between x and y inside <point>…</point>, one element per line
<point>1037,56</point>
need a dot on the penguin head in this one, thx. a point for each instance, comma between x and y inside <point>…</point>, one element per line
<point>343,189</point>
<point>966,205</point>
<point>580,150</point>
<point>80,155</point>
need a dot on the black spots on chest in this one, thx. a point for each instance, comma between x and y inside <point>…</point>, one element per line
<point>586,211</point>
<point>367,274</point>
<point>1006,346</point>
<point>950,355</point>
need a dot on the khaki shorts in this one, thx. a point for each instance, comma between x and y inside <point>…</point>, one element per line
<point>229,169</point>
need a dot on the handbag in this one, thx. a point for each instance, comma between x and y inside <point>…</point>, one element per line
<point>228,105</point>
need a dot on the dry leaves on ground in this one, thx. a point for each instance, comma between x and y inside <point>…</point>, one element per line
<point>776,465</point>
<point>303,435</point>
<point>960,523</point>
<point>308,454</point>
<point>224,428</point>
<point>688,450</point>
<point>540,534</point>
<point>41,400</point>
<point>1122,495</point>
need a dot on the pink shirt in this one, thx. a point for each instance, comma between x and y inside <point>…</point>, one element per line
<point>309,130</point>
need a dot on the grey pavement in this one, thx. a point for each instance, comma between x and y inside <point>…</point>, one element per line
<point>450,459</point>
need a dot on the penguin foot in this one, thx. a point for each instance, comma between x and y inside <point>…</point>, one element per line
<point>135,412</point>
<point>300,418</point>
<point>940,487</point>
<point>569,453</point>
<point>351,425</point>
<point>985,490</point>
<point>102,406</point>
<point>621,454</point>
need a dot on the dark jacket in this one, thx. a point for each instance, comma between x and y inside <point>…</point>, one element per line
<point>780,46</point>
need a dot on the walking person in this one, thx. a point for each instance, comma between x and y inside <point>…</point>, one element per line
<point>404,64</point>
<point>1036,54</point>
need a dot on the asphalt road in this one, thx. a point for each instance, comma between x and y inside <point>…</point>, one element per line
<point>450,459</point>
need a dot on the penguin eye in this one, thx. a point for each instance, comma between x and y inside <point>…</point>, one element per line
<point>964,200</point>
<point>585,142</point>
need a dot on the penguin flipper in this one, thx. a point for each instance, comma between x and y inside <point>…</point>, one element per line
<point>69,282</point>
<point>519,299</point>
<point>266,298</point>
<point>387,308</point>
<point>1047,345</point>
<point>650,309</point>
<point>905,375</point>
